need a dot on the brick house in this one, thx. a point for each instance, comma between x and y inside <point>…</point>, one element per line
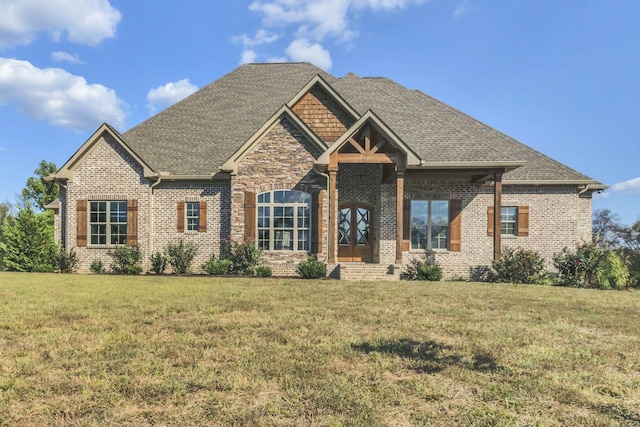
<point>361,172</point>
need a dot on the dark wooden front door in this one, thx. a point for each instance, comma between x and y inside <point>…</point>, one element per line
<point>354,233</point>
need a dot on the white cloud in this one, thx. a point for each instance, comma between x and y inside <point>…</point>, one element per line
<point>170,93</point>
<point>59,56</point>
<point>248,56</point>
<point>83,21</point>
<point>319,19</point>
<point>261,37</point>
<point>463,7</point>
<point>277,59</point>
<point>301,50</point>
<point>53,94</point>
<point>629,186</point>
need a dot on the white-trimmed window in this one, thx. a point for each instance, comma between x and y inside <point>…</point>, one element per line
<point>108,222</point>
<point>284,219</point>
<point>192,212</point>
<point>509,220</point>
<point>429,224</point>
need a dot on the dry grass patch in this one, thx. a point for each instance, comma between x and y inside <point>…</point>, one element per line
<point>105,350</point>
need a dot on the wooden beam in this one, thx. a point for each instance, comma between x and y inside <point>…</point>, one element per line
<point>399,214</point>
<point>333,210</point>
<point>497,215</point>
<point>367,138</point>
<point>378,146</point>
<point>356,145</point>
<point>366,158</point>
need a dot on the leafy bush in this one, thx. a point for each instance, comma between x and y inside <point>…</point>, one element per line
<point>217,267</point>
<point>423,268</point>
<point>159,262</point>
<point>66,261</point>
<point>181,255</point>
<point>591,267</point>
<point>97,267</point>
<point>127,259</point>
<point>245,257</point>
<point>264,271</point>
<point>520,266</point>
<point>312,268</point>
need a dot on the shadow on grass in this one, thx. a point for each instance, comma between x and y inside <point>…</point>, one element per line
<point>429,356</point>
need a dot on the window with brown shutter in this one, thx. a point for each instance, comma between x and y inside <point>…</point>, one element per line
<point>249,215</point>
<point>132,222</point>
<point>203,217</point>
<point>521,226</point>
<point>523,221</point>
<point>455,224</point>
<point>81,223</point>
<point>180,217</point>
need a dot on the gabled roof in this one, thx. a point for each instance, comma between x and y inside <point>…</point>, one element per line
<point>211,129</point>
<point>66,171</point>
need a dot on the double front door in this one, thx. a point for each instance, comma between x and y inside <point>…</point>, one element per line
<point>354,233</point>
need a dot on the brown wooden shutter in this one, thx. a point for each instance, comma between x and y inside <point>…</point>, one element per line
<point>202,226</point>
<point>81,223</point>
<point>406,225</point>
<point>490,213</point>
<point>455,224</point>
<point>523,221</point>
<point>180,217</point>
<point>132,222</point>
<point>316,231</point>
<point>250,215</point>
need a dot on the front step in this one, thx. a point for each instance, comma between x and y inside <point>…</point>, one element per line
<point>364,271</point>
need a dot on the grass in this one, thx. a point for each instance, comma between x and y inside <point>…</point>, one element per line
<point>105,350</point>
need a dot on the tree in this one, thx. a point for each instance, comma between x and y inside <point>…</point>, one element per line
<point>39,192</point>
<point>606,226</point>
<point>28,243</point>
<point>5,214</point>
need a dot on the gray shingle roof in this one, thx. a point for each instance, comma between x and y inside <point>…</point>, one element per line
<point>197,135</point>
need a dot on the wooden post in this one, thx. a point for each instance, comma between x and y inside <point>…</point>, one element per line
<point>399,214</point>
<point>333,210</point>
<point>497,215</point>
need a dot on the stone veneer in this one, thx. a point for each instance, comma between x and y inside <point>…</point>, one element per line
<point>282,160</point>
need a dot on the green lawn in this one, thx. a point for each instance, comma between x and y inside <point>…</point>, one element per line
<point>106,350</point>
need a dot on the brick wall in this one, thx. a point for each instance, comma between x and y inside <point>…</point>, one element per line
<point>106,172</point>
<point>165,217</point>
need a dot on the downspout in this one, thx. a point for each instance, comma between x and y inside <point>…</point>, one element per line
<point>326,176</point>
<point>150,235</point>
<point>584,190</point>
<point>63,236</point>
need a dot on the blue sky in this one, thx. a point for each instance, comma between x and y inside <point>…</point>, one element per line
<point>560,76</point>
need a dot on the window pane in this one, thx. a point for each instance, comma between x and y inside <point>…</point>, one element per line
<point>98,234</point>
<point>283,240</point>
<point>439,212</point>
<point>303,240</point>
<point>418,237</point>
<point>344,226</point>
<point>419,212</point>
<point>118,234</point>
<point>439,237</point>
<point>303,217</point>
<point>263,239</point>
<point>286,227</point>
<point>279,196</point>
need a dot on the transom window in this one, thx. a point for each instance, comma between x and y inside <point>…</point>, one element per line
<point>509,220</point>
<point>193,216</point>
<point>108,222</point>
<point>284,220</point>
<point>429,224</point>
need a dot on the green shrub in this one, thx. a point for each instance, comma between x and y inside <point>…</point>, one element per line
<point>591,267</point>
<point>264,271</point>
<point>159,262</point>
<point>423,268</point>
<point>127,259</point>
<point>181,256</point>
<point>245,257</point>
<point>312,268</point>
<point>520,266</point>
<point>66,261</point>
<point>217,267</point>
<point>97,267</point>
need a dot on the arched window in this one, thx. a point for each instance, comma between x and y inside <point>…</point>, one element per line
<point>284,220</point>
